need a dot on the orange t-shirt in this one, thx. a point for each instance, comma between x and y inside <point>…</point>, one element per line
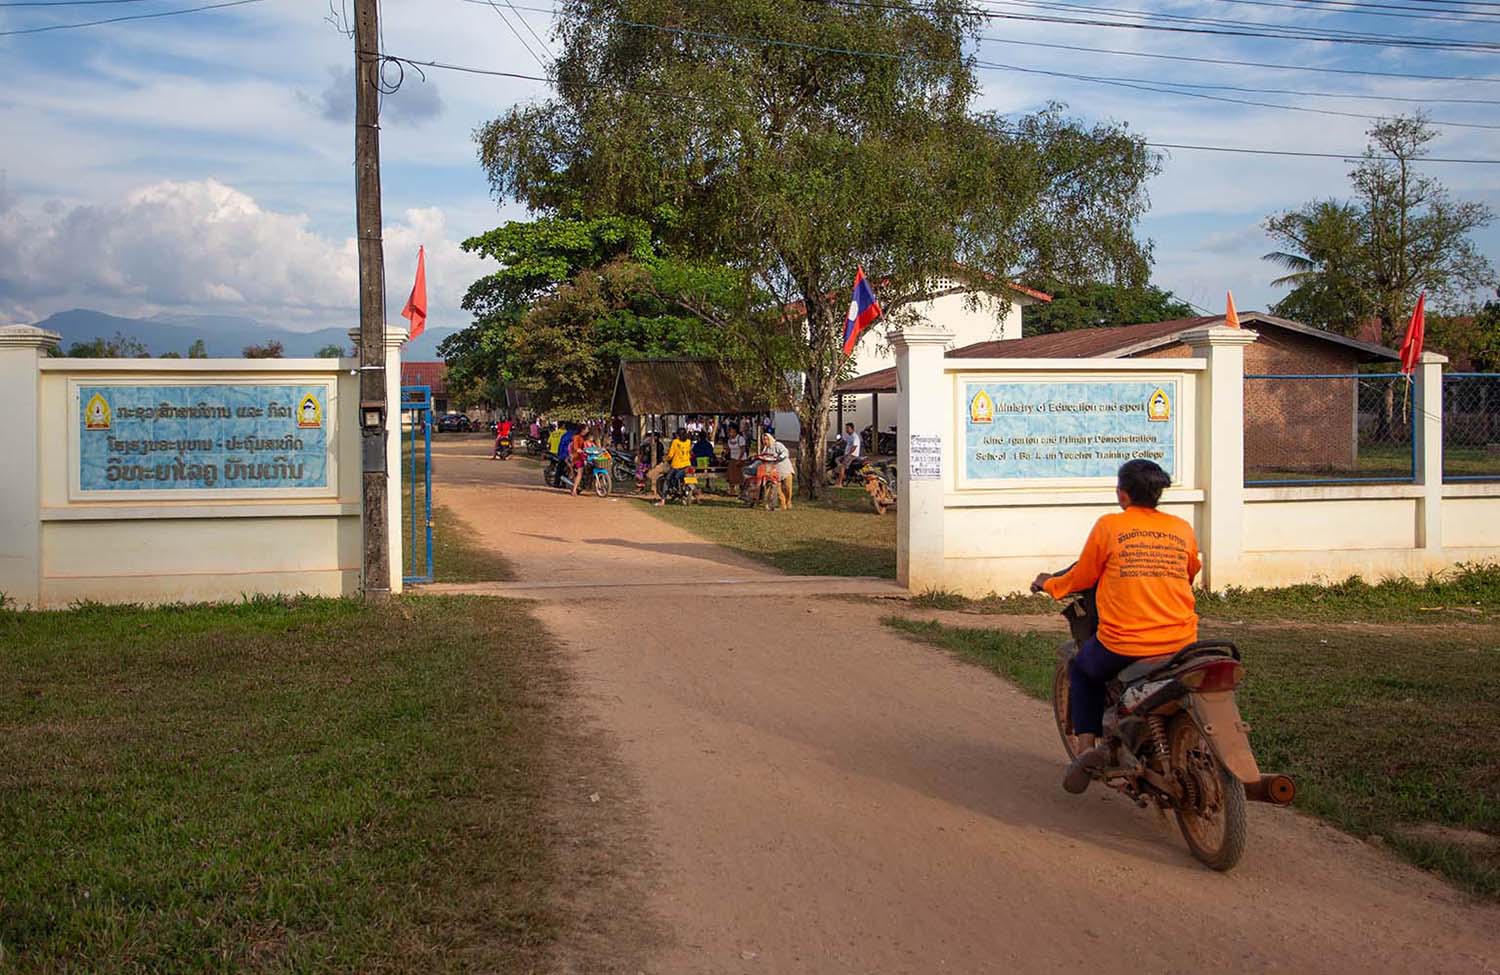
<point>1143,562</point>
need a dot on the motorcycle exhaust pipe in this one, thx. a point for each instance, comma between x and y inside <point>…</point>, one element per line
<point>1277,789</point>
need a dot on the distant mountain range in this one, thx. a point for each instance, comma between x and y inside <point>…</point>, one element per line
<point>224,336</point>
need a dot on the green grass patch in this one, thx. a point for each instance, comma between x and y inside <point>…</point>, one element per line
<point>1468,593</point>
<point>837,535</point>
<point>1388,734</point>
<point>279,785</point>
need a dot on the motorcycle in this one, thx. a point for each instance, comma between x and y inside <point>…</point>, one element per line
<point>549,469</point>
<point>880,485</point>
<point>759,488</point>
<point>1173,738</point>
<point>535,447</point>
<point>502,448</point>
<point>684,489</point>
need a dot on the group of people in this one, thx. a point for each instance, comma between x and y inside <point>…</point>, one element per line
<point>663,465</point>
<point>575,447</point>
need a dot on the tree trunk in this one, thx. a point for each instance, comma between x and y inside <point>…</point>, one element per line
<point>812,414</point>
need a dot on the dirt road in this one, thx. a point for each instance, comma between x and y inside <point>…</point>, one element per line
<point>820,795</point>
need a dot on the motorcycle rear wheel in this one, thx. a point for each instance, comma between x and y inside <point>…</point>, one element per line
<point>602,484</point>
<point>548,470</point>
<point>1060,709</point>
<point>1215,827</point>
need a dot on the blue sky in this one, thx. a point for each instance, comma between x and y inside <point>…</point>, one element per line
<point>203,164</point>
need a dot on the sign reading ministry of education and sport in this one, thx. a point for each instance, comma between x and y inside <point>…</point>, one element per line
<point>223,439</point>
<point>1078,431</point>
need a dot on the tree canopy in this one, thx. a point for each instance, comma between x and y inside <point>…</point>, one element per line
<point>790,142</point>
<point>1093,304</point>
<point>1369,257</point>
<point>572,297</point>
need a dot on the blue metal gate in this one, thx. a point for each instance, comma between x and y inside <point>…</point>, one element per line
<point>416,500</point>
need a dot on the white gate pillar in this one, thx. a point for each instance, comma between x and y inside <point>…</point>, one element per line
<point>1221,450</point>
<point>22,349</point>
<point>1427,433</point>
<point>924,408</point>
<point>395,337</point>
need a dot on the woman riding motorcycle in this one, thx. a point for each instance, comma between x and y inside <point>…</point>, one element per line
<point>1143,562</point>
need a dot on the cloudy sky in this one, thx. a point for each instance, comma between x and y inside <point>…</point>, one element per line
<point>203,163</point>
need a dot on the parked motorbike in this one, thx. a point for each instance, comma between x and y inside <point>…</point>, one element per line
<point>880,484</point>
<point>1174,738</point>
<point>535,447</point>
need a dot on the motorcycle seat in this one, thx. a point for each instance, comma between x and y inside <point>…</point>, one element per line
<point>1142,668</point>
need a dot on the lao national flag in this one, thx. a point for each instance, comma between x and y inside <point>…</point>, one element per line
<point>863,310</point>
<point>416,306</point>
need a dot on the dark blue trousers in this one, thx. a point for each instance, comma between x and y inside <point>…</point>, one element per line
<point>1093,667</point>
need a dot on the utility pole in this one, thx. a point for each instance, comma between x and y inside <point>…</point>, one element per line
<point>376,562</point>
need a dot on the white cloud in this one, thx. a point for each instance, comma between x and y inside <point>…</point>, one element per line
<point>205,247</point>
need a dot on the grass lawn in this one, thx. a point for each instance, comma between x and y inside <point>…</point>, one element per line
<point>1469,593</point>
<point>1389,733</point>
<point>838,535</point>
<point>278,785</point>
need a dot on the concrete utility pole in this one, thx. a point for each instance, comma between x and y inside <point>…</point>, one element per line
<point>376,562</point>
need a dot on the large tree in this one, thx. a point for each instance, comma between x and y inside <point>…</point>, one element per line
<point>1369,257</point>
<point>792,140</point>
<point>1094,304</point>
<point>571,298</point>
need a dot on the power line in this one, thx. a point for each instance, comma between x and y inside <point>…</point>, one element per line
<point>529,29</point>
<point>120,20</point>
<point>1133,84</point>
<point>61,3</point>
<point>1373,41</point>
<point>1385,10</point>
<point>444,66</point>
<point>534,56</point>
<point>1189,59</point>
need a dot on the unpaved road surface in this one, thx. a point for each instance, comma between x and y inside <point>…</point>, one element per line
<point>820,795</point>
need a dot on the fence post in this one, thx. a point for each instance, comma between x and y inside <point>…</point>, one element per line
<point>1427,448</point>
<point>22,349</point>
<point>924,404</point>
<point>1221,450</point>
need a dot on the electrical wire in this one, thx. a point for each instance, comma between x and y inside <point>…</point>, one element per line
<point>1183,58</point>
<point>120,20</point>
<point>529,29</point>
<point>534,56</point>
<point>1387,10</point>
<point>667,93</point>
<point>1135,85</point>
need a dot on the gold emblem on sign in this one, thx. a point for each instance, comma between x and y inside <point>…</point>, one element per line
<point>310,412</point>
<point>981,408</point>
<point>1159,407</point>
<point>96,414</point>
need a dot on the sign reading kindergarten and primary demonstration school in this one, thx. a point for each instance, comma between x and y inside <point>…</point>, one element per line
<point>218,438</point>
<point>1077,430</point>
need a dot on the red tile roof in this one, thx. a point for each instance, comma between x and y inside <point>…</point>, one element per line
<point>434,374</point>
<point>1109,343</point>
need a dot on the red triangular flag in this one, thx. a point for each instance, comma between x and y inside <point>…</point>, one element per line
<point>416,305</point>
<point>1416,335</point>
<point>1231,317</point>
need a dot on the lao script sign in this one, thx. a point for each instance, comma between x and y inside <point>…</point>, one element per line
<point>1079,430</point>
<point>925,454</point>
<point>214,439</point>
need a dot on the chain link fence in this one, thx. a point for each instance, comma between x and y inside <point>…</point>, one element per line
<point>1328,429</point>
<point>1471,426</point>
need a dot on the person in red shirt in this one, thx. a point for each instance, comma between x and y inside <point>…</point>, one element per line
<point>1142,562</point>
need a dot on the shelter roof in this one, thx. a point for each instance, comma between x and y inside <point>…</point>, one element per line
<point>434,374</point>
<point>681,386</point>
<point>1116,342</point>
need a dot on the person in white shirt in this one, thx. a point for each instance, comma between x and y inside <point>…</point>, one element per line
<point>853,448</point>
<point>735,443</point>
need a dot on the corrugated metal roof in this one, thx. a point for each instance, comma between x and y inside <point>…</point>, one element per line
<point>647,387</point>
<point>1112,343</point>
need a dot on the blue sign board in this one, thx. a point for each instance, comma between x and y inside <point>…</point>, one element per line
<point>1023,431</point>
<point>204,437</point>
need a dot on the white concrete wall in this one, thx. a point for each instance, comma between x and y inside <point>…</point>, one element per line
<point>970,317</point>
<point>61,544</point>
<point>977,540</point>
